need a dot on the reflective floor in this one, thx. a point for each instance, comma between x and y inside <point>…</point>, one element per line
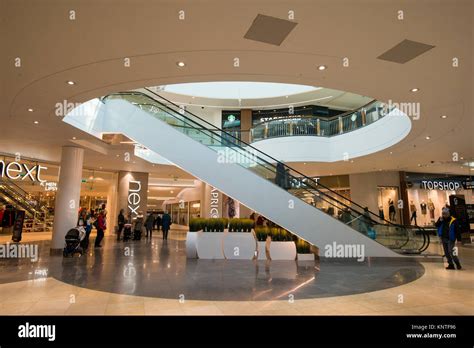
<point>160,269</point>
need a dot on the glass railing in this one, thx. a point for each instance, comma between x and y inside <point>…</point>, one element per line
<point>236,151</point>
<point>302,125</point>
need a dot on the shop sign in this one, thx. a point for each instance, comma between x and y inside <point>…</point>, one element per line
<point>134,196</point>
<point>440,185</point>
<point>214,212</point>
<point>21,171</point>
<point>50,186</point>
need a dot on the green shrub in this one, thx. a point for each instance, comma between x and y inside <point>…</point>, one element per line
<point>261,233</point>
<point>196,224</point>
<point>248,225</point>
<point>303,247</point>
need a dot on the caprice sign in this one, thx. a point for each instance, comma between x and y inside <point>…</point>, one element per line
<point>440,185</point>
<point>21,171</point>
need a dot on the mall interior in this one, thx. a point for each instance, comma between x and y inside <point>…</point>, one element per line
<point>300,158</point>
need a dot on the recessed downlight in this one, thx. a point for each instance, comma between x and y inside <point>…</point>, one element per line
<point>36,122</point>
<point>73,138</point>
<point>414,90</point>
<point>444,117</point>
<point>71,83</point>
<point>180,64</point>
<point>322,67</point>
<point>427,137</point>
<point>30,110</point>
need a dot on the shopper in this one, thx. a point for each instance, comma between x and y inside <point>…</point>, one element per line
<point>149,224</point>
<point>138,226</point>
<point>121,223</point>
<point>367,222</point>
<point>88,229</point>
<point>165,224</point>
<point>158,222</point>
<point>280,175</point>
<point>448,232</point>
<point>101,226</point>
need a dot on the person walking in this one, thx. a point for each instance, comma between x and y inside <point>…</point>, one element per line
<point>165,224</point>
<point>88,228</point>
<point>101,227</point>
<point>448,229</point>
<point>150,220</point>
<point>158,222</point>
<point>121,223</point>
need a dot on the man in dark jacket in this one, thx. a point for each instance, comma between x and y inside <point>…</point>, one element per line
<point>165,225</point>
<point>121,224</point>
<point>447,231</point>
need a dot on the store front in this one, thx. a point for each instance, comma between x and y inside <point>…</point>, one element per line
<point>428,194</point>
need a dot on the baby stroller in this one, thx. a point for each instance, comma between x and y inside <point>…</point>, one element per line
<point>73,241</point>
<point>127,232</point>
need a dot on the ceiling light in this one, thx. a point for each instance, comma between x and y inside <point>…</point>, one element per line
<point>73,138</point>
<point>427,137</point>
<point>414,89</point>
<point>117,155</point>
<point>444,116</point>
<point>171,191</point>
<point>36,122</point>
<point>322,67</point>
<point>180,64</point>
<point>71,83</point>
<point>391,152</point>
<point>30,110</point>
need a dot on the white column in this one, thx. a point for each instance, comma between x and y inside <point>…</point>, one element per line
<point>68,195</point>
<point>112,205</point>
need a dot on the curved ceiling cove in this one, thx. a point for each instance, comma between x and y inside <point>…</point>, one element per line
<point>236,89</point>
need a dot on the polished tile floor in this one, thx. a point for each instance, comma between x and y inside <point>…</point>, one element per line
<point>157,279</point>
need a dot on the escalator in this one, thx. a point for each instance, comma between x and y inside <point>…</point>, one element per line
<point>11,193</point>
<point>273,189</point>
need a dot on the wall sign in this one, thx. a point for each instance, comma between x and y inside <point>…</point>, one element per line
<point>21,171</point>
<point>134,196</point>
<point>214,211</point>
<point>440,185</point>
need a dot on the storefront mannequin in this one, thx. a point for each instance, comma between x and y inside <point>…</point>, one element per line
<point>391,210</point>
<point>413,212</point>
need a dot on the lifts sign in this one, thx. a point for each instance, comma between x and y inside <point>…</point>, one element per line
<point>21,171</point>
<point>134,198</point>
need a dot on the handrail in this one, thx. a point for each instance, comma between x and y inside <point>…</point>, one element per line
<point>330,118</point>
<point>217,129</point>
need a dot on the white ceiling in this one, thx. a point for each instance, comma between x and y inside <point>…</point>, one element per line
<point>91,50</point>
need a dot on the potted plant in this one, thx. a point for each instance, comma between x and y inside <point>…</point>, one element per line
<point>303,249</point>
<point>209,243</point>
<point>195,225</point>
<point>261,234</point>
<point>239,245</point>
<point>282,246</point>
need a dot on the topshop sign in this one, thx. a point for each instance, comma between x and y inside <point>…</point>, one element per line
<point>21,171</point>
<point>440,185</point>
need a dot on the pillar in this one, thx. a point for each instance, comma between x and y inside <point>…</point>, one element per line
<point>68,195</point>
<point>132,194</point>
<point>245,124</point>
<point>112,205</point>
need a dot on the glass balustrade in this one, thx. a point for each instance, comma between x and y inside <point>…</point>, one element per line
<point>320,126</point>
